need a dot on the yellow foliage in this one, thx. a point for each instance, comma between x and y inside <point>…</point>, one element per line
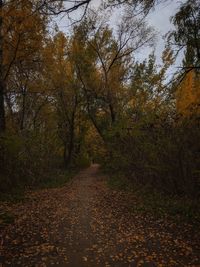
<point>24,32</point>
<point>188,94</point>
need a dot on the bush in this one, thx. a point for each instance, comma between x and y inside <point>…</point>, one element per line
<point>27,159</point>
<point>162,154</point>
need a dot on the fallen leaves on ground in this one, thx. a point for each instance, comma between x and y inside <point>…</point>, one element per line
<point>88,224</point>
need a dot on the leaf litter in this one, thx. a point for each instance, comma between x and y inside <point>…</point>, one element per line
<point>88,224</point>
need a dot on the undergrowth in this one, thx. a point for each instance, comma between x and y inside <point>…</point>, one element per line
<point>59,179</point>
<point>56,179</point>
<point>158,204</point>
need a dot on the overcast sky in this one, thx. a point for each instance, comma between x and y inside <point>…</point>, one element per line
<point>159,18</point>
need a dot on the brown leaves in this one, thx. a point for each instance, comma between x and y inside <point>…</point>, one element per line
<point>87,224</point>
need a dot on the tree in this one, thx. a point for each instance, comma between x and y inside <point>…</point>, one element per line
<point>2,87</point>
<point>60,72</point>
<point>41,8</point>
<point>186,35</point>
<point>22,32</point>
<point>56,7</point>
<point>147,88</point>
<point>188,95</point>
<point>108,59</point>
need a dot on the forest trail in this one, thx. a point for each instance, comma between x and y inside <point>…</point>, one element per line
<point>85,223</point>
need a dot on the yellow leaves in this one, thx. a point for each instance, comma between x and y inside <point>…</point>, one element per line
<point>24,33</point>
<point>188,94</point>
<point>66,215</point>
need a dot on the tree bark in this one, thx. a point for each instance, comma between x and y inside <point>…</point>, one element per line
<point>2,84</point>
<point>23,109</point>
<point>70,146</point>
<point>69,149</point>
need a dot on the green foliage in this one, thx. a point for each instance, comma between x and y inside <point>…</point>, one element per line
<point>187,32</point>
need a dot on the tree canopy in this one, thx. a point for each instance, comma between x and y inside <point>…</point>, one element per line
<point>69,99</point>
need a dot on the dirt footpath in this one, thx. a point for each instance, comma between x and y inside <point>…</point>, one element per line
<point>87,224</point>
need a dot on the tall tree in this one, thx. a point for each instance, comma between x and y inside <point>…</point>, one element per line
<point>22,33</point>
<point>60,72</point>
<point>186,35</point>
<point>2,85</point>
<point>107,73</point>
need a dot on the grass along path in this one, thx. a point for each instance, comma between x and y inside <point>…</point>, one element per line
<point>85,223</point>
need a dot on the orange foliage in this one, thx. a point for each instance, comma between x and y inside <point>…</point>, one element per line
<point>188,94</point>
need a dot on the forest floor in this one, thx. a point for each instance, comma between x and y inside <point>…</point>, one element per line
<point>86,223</point>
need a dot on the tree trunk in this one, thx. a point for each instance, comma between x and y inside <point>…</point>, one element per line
<point>69,148</point>
<point>65,153</point>
<point>112,113</point>
<point>2,109</point>
<point>2,84</point>
<point>68,156</point>
<point>23,109</point>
